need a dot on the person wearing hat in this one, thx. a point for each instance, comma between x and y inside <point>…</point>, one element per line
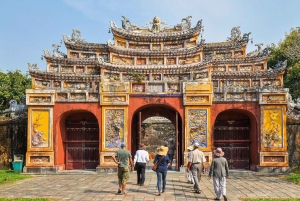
<point>196,165</point>
<point>123,158</point>
<point>140,160</point>
<point>219,171</point>
<point>163,161</point>
<point>189,175</point>
<point>171,151</point>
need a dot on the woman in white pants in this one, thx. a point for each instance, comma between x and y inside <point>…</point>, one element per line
<point>219,171</point>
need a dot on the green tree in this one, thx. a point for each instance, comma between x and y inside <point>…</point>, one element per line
<point>288,49</point>
<point>12,87</point>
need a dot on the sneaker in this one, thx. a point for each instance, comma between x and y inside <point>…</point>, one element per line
<point>225,198</point>
<point>119,191</point>
<point>216,199</point>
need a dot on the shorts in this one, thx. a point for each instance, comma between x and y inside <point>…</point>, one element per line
<point>123,174</point>
<point>171,156</point>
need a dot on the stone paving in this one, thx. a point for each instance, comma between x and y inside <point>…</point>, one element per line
<point>87,185</point>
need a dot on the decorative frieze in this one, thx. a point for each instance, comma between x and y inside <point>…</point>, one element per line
<point>173,88</point>
<point>67,69</point>
<point>156,61</point>
<point>78,96</point>
<point>273,99</point>
<point>138,88</point>
<point>272,83</point>
<point>246,68</point>
<point>155,88</point>
<point>197,99</point>
<point>116,99</point>
<point>41,84</point>
<point>114,87</point>
<point>156,77</point>
<point>197,87</point>
<point>40,97</point>
<point>39,159</point>
<point>271,159</point>
<point>232,68</point>
<point>76,85</point>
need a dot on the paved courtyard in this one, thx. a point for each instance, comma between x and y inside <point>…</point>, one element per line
<point>86,185</point>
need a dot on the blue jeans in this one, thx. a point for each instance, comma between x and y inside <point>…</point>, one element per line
<point>161,175</point>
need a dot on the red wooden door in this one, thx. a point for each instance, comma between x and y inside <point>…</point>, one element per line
<point>82,145</point>
<point>234,140</point>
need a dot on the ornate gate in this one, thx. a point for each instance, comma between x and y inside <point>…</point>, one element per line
<point>233,138</point>
<point>82,145</point>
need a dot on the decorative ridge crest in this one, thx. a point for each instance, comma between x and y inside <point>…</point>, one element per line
<point>75,37</point>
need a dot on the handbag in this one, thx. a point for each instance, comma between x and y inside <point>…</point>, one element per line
<point>156,164</point>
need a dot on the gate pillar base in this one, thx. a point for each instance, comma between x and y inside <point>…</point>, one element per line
<point>105,169</point>
<point>275,170</point>
<point>41,170</point>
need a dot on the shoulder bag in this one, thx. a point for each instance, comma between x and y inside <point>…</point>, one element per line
<point>156,164</point>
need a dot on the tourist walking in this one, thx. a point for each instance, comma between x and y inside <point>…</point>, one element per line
<point>196,165</point>
<point>124,160</point>
<point>171,145</point>
<point>219,171</point>
<point>189,175</point>
<point>141,158</point>
<point>163,161</point>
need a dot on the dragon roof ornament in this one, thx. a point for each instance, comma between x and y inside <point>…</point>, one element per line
<point>76,37</point>
<point>33,67</point>
<point>259,52</point>
<point>235,33</point>
<point>56,52</point>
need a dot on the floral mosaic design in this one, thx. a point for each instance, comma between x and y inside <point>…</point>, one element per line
<point>197,130</point>
<point>272,128</point>
<point>40,129</point>
<point>114,127</point>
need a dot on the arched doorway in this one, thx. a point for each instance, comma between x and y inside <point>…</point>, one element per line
<point>167,114</point>
<point>232,130</point>
<point>82,141</point>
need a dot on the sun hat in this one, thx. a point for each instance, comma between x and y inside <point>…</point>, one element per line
<point>162,150</point>
<point>196,144</point>
<point>190,148</point>
<point>123,144</point>
<point>218,152</point>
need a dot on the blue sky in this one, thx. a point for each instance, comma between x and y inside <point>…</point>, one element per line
<point>29,27</point>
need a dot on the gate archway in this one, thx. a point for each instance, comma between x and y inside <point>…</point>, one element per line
<point>233,132</point>
<point>82,141</point>
<point>158,111</point>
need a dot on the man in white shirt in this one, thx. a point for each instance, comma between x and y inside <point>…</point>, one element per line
<point>140,159</point>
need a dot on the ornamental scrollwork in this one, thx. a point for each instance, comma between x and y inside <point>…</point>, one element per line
<point>186,24</point>
<point>197,122</point>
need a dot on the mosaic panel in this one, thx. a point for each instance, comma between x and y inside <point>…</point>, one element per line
<point>111,76</point>
<point>39,159</point>
<point>232,68</point>
<point>140,46</point>
<point>93,70</point>
<point>93,96</point>
<point>57,84</point>
<point>156,77</point>
<point>173,46</point>
<point>156,61</point>
<point>222,55</point>
<point>259,67</point>
<point>235,96</point>
<point>238,53</point>
<point>114,127</point>
<point>198,99</point>
<point>114,87</point>
<point>273,83</point>
<point>219,68</point>
<point>138,88</point>
<point>272,128</point>
<point>108,159</point>
<point>62,96</point>
<point>200,75</point>
<point>272,159</point>
<point>215,83</point>
<point>274,98</point>
<point>173,88</point>
<point>40,129</point>
<point>171,61</point>
<point>238,83</point>
<point>246,68</point>
<point>121,44</point>
<point>255,83</point>
<point>250,96</point>
<point>74,54</point>
<point>75,85</point>
<point>219,96</point>
<point>114,99</point>
<point>155,88</point>
<point>122,60</point>
<point>156,47</point>
<point>88,55</point>
<point>197,127</point>
<point>141,61</point>
<point>53,68</point>
<point>190,44</point>
<point>39,99</point>
<point>78,96</point>
<point>67,69</point>
<point>79,69</point>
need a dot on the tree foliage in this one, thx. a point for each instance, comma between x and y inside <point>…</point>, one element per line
<point>288,49</point>
<point>12,87</point>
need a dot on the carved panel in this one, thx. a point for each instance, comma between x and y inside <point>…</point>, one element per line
<point>41,83</point>
<point>171,61</point>
<point>67,69</point>
<point>138,87</point>
<point>74,54</point>
<point>39,99</point>
<point>78,96</point>
<point>88,55</point>
<point>189,60</point>
<point>238,53</point>
<point>173,88</point>
<point>122,60</point>
<point>173,46</point>
<point>93,96</point>
<point>259,67</point>
<point>197,127</point>
<point>111,76</point>
<point>113,99</point>
<point>246,68</point>
<point>197,99</point>
<point>141,61</point>
<point>255,83</point>
<point>93,70</point>
<point>200,75</point>
<point>156,47</point>
<point>272,159</point>
<point>155,88</point>
<point>156,61</point>
<point>39,159</point>
<point>53,68</point>
<point>80,69</point>
<point>223,55</point>
<point>140,46</point>
<point>62,96</point>
<point>104,56</point>
<point>235,96</point>
<point>251,96</point>
<point>238,83</point>
<point>194,87</point>
<point>121,44</point>
<point>108,159</point>
<point>191,44</point>
<point>156,77</point>
<point>219,68</point>
<point>273,83</point>
<point>171,78</point>
<point>114,128</point>
<point>56,84</point>
<point>218,96</point>
<point>75,85</point>
<point>232,68</point>
<point>114,87</point>
<point>274,99</point>
<point>272,128</point>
